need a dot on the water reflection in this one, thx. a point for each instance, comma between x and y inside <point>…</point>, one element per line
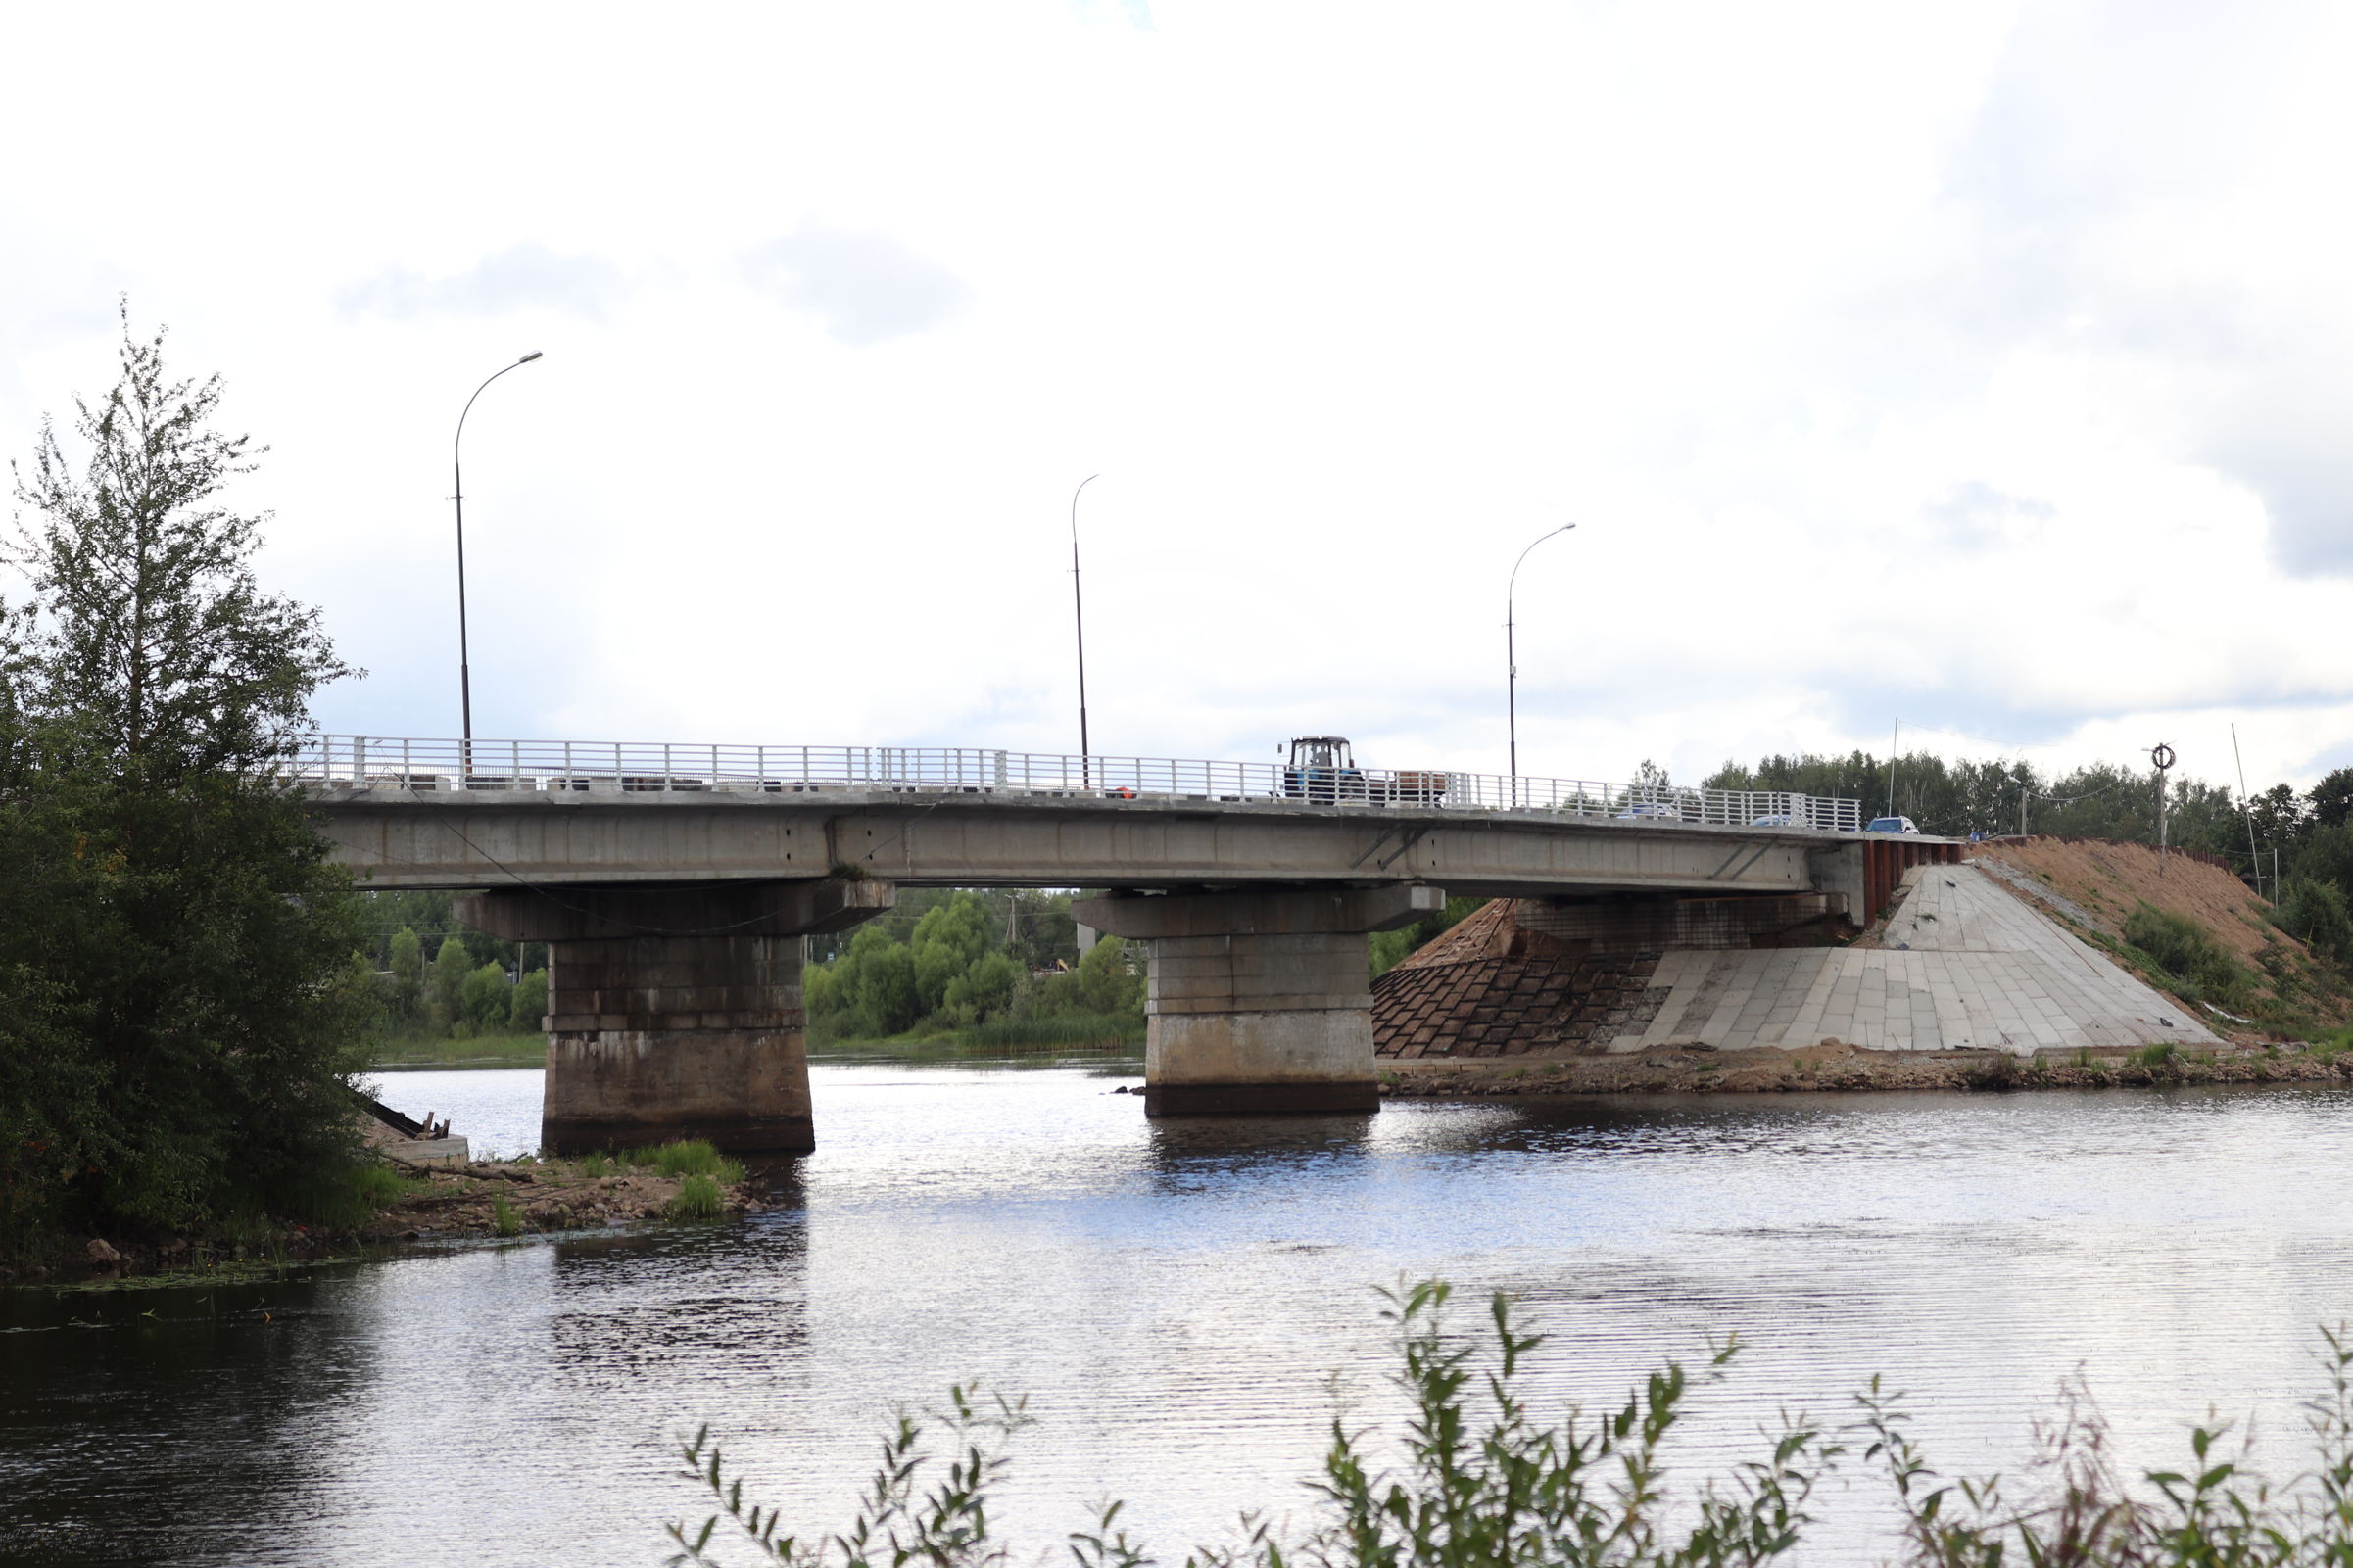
<point>1175,1296</point>
<point>126,1417</point>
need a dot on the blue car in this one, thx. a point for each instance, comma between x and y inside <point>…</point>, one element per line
<point>1889,825</point>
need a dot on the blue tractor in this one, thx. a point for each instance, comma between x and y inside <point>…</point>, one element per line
<point>1322,769</point>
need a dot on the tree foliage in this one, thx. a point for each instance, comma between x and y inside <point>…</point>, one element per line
<point>954,959</point>
<point>180,1014</point>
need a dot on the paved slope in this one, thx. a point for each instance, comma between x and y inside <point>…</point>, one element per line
<point>1966,965</point>
<point>1962,962</point>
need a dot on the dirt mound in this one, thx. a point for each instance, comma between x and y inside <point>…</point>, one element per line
<point>1482,933</point>
<point>2094,884</point>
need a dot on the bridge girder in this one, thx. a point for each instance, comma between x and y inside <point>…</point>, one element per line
<point>395,838</point>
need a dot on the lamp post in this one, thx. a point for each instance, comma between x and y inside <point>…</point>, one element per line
<point>1078,611</point>
<point>1511,657</point>
<point>465,678</point>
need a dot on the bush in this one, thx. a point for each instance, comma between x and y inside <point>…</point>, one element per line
<point>351,1196</point>
<point>2314,913</point>
<point>2201,966</point>
<point>1477,1481</point>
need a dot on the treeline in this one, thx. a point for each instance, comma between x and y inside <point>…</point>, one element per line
<point>437,979</point>
<point>996,968</point>
<point>2296,849</point>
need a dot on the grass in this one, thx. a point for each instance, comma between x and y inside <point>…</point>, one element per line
<point>483,1051</point>
<point>2156,1056</point>
<point>691,1157</point>
<point>504,1217</point>
<point>356,1195</point>
<point>2200,967</point>
<point>1072,1031</point>
<point>697,1199</point>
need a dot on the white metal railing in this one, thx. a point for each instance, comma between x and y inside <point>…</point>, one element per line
<point>626,767</point>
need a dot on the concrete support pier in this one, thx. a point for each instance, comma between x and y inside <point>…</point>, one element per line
<point>1259,1002</point>
<point>676,1012</point>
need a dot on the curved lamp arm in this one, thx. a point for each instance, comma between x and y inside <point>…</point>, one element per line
<point>1511,655</point>
<point>466,678</point>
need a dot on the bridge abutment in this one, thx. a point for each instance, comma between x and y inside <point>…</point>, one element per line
<point>676,1012</point>
<point>1261,1001</point>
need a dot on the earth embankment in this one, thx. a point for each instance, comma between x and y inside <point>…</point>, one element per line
<point>2024,964</point>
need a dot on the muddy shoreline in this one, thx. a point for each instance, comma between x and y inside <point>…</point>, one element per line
<point>438,1206</point>
<point>1833,1068</point>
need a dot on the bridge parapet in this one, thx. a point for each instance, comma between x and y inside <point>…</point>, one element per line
<point>370,763</point>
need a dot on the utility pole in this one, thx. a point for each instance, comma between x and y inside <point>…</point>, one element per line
<point>2246,809</point>
<point>1894,741</point>
<point>1079,609</point>
<point>2162,756</point>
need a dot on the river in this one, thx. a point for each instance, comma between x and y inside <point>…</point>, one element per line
<point>1181,1301</point>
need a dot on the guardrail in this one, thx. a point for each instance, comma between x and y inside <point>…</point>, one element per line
<point>623,767</point>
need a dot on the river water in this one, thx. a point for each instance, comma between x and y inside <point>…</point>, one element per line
<point>1182,1302</point>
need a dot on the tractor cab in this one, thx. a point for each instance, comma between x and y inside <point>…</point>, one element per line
<point>1322,768</point>
<point>1321,752</point>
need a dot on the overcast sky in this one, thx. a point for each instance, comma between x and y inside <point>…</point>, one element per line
<point>1982,366</point>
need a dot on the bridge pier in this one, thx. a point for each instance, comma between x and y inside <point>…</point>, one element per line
<point>1261,1001</point>
<point>676,1012</point>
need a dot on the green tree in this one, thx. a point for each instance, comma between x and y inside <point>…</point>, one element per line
<point>2332,799</point>
<point>1106,981</point>
<point>484,997</point>
<point>180,1015</point>
<point>2317,914</point>
<point>949,940</point>
<point>445,986</point>
<point>2328,857</point>
<point>873,992</point>
<point>527,1008</point>
<point>986,989</point>
<point>408,966</point>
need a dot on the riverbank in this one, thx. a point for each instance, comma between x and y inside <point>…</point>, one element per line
<point>1833,1066</point>
<point>421,1052</point>
<point>393,1204</point>
<point>509,1197</point>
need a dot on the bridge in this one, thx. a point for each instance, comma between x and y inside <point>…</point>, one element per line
<point>674,884</point>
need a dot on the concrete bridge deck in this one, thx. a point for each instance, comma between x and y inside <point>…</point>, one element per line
<point>398,838</point>
<point>673,885</point>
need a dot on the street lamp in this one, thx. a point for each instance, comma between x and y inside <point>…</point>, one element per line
<point>1079,609</point>
<point>466,679</point>
<point>1511,657</point>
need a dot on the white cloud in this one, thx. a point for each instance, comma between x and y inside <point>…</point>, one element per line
<point>521,278</point>
<point>866,288</point>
